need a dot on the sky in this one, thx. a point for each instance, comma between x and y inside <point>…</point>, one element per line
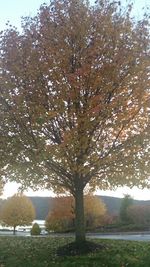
<point>12,11</point>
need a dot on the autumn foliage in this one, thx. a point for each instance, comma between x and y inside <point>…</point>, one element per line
<point>17,211</point>
<point>75,99</point>
<point>139,214</point>
<point>62,216</point>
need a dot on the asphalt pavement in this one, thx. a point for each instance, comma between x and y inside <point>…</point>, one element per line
<point>117,236</point>
<point>122,236</point>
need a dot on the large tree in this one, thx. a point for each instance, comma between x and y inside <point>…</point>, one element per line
<point>1,187</point>
<point>17,211</point>
<point>75,99</point>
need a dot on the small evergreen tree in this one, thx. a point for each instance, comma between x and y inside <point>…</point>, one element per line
<point>36,230</point>
<point>126,203</point>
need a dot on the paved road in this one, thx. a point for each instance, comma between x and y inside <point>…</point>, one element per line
<point>135,237</point>
<point>10,233</point>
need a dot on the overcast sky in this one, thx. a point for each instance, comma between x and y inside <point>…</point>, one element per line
<point>12,11</point>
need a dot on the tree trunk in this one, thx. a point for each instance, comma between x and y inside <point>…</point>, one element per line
<point>14,230</point>
<point>79,216</point>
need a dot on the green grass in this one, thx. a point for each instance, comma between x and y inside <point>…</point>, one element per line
<point>41,252</point>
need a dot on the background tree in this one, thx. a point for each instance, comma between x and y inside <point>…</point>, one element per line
<point>62,216</point>
<point>139,214</point>
<point>75,100</point>
<point>95,211</point>
<point>110,219</point>
<point>17,211</point>
<point>126,203</point>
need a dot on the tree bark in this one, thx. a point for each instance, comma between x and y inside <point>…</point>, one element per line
<point>14,230</point>
<point>79,216</point>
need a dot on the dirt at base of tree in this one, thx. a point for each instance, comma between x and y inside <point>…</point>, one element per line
<point>73,249</point>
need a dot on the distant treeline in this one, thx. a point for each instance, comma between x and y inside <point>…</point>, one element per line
<point>44,204</point>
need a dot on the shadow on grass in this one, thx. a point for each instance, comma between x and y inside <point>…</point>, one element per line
<point>74,248</point>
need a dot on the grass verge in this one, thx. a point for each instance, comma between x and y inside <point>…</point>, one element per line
<point>42,252</point>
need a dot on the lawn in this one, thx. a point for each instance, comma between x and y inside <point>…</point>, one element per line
<point>42,252</point>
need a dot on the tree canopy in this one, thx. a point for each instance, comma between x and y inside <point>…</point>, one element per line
<point>17,211</point>
<point>62,215</point>
<point>126,203</point>
<point>75,99</point>
<point>139,214</point>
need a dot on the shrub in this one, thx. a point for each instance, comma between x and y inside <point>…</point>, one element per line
<point>36,230</point>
